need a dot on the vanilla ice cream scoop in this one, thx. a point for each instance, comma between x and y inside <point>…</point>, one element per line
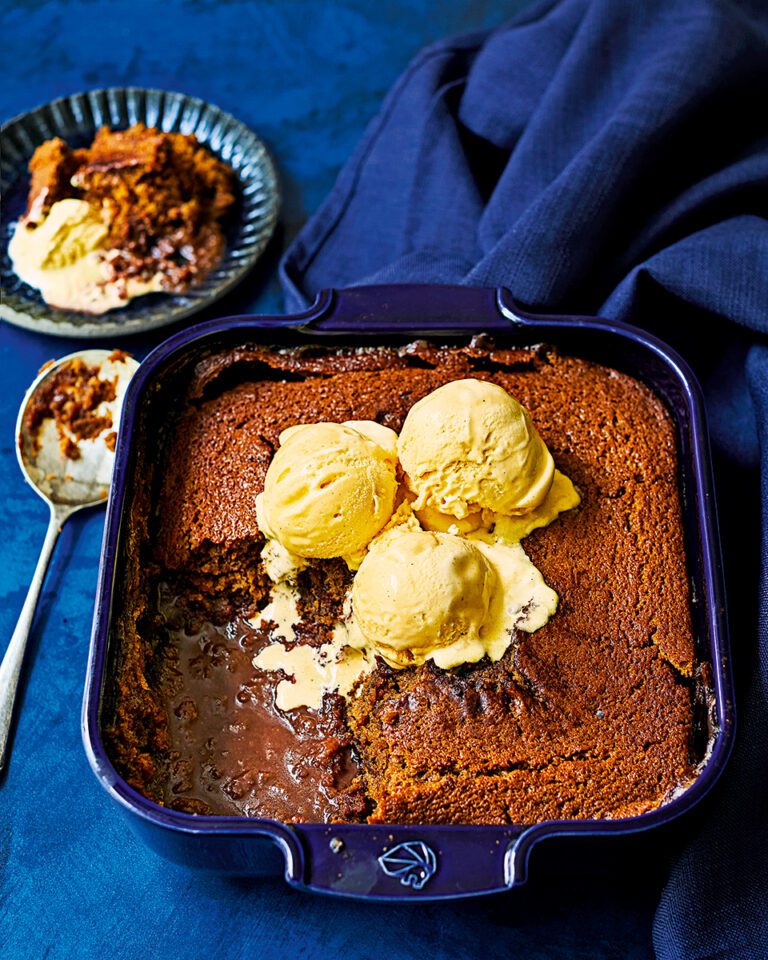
<point>469,446</point>
<point>64,257</point>
<point>422,594</point>
<point>329,489</point>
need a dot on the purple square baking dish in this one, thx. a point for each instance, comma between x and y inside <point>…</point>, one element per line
<point>416,862</point>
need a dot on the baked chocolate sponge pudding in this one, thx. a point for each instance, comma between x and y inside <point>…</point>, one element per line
<point>590,716</point>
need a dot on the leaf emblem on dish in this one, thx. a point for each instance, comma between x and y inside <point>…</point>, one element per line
<point>413,863</point>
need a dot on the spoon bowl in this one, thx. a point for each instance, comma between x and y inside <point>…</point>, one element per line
<point>69,470</point>
<point>61,480</point>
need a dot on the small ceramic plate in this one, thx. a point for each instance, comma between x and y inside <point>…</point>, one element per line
<point>76,120</point>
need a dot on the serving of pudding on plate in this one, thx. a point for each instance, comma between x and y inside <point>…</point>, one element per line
<point>138,211</point>
<point>431,584</point>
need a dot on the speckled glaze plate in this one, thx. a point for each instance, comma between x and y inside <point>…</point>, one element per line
<point>76,119</point>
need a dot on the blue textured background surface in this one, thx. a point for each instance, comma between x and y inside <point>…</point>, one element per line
<point>73,880</point>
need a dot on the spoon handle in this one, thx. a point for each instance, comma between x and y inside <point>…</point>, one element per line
<point>10,668</point>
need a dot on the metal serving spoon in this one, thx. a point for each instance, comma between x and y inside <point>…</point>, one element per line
<point>67,486</point>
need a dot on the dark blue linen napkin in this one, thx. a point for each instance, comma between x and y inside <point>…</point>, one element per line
<point>607,157</point>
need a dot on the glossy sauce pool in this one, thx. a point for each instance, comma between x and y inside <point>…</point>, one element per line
<point>231,750</point>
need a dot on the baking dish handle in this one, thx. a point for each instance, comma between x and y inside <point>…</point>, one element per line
<point>405,862</point>
<point>408,307</point>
